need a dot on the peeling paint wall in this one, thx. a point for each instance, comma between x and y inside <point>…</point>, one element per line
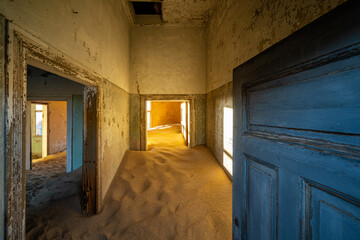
<point>135,119</point>
<point>167,60</point>
<point>200,116</point>
<point>115,131</point>
<point>93,33</point>
<point>187,12</point>
<point>238,31</point>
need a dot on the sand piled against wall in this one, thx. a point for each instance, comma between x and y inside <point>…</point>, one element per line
<point>165,193</point>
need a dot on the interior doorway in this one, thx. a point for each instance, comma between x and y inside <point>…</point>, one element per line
<point>24,50</point>
<point>39,133</point>
<point>167,123</point>
<point>54,131</point>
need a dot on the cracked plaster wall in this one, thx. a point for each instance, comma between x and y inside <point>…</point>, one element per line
<point>94,33</point>
<point>115,131</point>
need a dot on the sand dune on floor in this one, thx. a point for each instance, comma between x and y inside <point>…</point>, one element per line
<point>164,193</point>
<point>160,136</point>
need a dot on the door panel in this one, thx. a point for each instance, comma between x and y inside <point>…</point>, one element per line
<point>330,214</point>
<point>262,200</point>
<point>297,134</point>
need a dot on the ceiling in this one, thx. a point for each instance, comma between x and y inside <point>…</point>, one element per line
<point>180,12</point>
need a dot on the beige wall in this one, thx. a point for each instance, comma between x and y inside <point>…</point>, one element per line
<point>239,30</point>
<point>167,60</point>
<point>94,33</point>
<point>163,113</point>
<point>57,126</point>
<point>115,132</point>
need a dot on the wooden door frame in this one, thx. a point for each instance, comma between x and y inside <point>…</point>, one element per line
<point>23,49</point>
<point>164,97</point>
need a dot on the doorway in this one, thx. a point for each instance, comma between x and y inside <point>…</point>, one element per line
<point>167,123</point>
<point>38,133</point>
<point>186,114</point>
<point>25,49</point>
<point>53,146</point>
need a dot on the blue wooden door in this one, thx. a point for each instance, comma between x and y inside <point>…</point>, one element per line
<point>297,134</point>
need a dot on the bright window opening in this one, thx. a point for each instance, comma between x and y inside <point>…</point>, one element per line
<point>228,140</point>
<point>39,120</point>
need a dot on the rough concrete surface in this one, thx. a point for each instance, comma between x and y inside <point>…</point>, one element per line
<point>187,12</point>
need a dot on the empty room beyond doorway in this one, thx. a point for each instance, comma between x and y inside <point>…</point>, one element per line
<point>167,123</point>
<point>47,127</point>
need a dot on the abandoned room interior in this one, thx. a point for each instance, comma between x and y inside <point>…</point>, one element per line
<point>169,119</point>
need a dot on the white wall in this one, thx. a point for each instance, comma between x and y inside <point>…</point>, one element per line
<point>94,33</point>
<point>167,60</point>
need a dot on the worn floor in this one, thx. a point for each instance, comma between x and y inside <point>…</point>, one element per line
<point>45,171</point>
<point>165,193</point>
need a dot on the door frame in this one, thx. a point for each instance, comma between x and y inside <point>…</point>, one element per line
<point>165,97</point>
<point>29,136</point>
<point>22,49</point>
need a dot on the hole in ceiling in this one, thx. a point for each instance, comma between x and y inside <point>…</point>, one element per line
<point>147,8</point>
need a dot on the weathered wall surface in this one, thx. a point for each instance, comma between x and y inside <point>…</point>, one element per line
<point>135,119</point>
<point>238,31</point>
<point>94,33</point>
<point>163,113</point>
<point>200,116</point>
<point>216,101</point>
<point>167,60</point>
<point>57,126</point>
<point>115,131</point>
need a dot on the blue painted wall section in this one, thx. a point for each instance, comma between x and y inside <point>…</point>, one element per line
<point>77,128</point>
<point>297,134</point>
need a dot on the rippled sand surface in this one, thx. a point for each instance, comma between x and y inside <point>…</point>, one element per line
<point>169,192</point>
